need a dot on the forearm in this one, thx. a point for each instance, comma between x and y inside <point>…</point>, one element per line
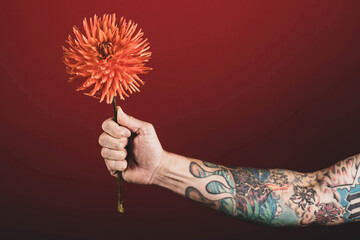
<point>274,197</point>
<point>244,193</point>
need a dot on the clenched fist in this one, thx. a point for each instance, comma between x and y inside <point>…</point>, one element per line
<point>144,156</point>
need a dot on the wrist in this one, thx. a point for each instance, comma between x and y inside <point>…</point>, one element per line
<point>161,171</point>
<point>173,173</point>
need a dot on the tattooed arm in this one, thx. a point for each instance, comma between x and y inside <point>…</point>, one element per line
<point>274,197</point>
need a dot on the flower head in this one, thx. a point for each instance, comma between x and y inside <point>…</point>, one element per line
<point>108,57</point>
<point>327,213</point>
<point>303,196</point>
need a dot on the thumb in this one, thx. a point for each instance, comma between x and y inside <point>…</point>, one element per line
<point>130,122</point>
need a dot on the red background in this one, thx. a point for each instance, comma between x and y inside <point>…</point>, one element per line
<point>267,84</point>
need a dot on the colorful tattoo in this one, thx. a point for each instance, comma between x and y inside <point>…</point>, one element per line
<point>278,178</point>
<point>280,197</point>
<point>303,196</point>
<point>344,179</point>
<point>327,213</point>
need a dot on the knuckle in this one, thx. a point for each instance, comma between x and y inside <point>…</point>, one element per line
<point>102,139</point>
<point>149,126</point>
<point>104,152</point>
<point>107,164</point>
<point>112,165</point>
<point>104,125</point>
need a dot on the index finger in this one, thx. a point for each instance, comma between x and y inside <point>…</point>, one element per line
<point>114,129</point>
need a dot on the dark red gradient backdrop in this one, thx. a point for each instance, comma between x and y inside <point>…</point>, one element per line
<point>267,84</point>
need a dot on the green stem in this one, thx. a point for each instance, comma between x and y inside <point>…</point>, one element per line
<point>120,206</point>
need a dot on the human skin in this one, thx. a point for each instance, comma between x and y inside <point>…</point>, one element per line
<point>274,197</point>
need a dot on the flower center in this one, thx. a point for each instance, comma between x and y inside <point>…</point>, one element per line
<point>105,49</point>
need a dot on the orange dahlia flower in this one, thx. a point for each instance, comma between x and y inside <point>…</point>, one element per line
<point>109,57</point>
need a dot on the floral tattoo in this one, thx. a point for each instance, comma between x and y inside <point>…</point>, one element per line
<point>327,213</point>
<point>303,196</point>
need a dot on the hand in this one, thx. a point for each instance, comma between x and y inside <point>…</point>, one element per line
<point>142,162</point>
